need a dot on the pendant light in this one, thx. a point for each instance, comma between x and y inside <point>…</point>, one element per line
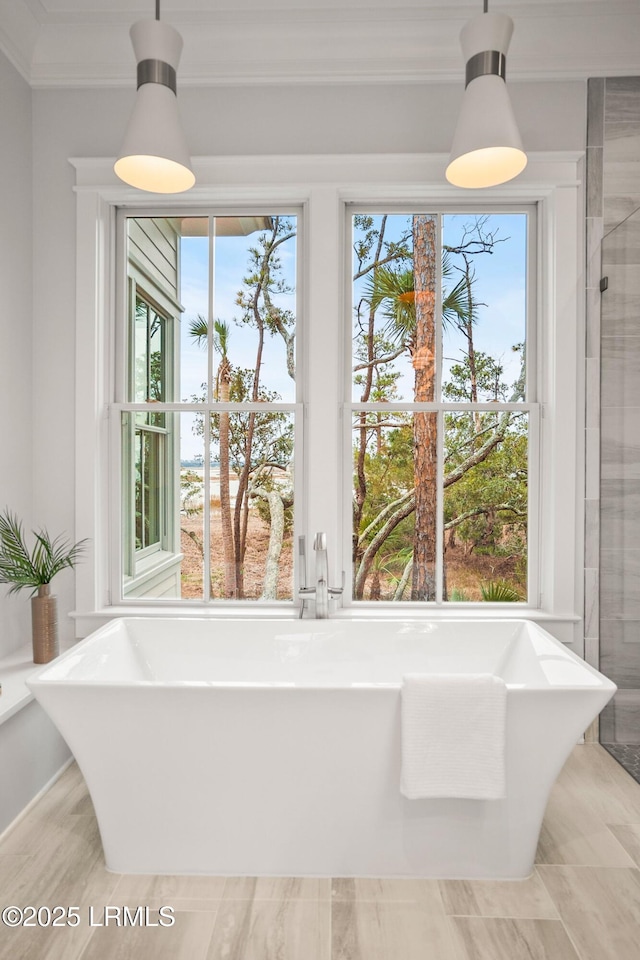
<point>487,149</point>
<point>154,154</point>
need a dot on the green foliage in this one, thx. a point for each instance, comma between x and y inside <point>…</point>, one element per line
<point>367,232</point>
<point>391,291</point>
<point>264,284</point>
<point>487,374</point>
<point>199,331</point>
<point>488,503</point>
<point>191,486</point>
<point>499,591</point>
<point>286,493</point>
<point>383,386</point>
<point>388,462</point>
<point>149,360</point>
<point>271,433</point>
<point>32,569</point>
<point>485,452</point>
<point>458,596</point>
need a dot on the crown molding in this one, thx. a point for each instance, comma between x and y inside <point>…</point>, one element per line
<point>85,43</point>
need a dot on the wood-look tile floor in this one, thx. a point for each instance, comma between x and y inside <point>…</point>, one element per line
<point>581,903</point>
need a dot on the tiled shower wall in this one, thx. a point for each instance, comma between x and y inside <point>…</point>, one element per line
<point>612,536</point>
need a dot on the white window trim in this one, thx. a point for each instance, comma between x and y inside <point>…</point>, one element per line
<point>322,186</point>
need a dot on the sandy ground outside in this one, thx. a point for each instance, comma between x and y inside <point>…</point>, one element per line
<point>464,572</point>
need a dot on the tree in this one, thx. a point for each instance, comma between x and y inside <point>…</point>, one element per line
<point>373,350</point>
<point>425,437</point>
<point>252,444</point>
<point>199,331</point>
<point>258,310</point>
<point>406,300</point>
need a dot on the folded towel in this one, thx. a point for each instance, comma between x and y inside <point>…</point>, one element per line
<point>453,736</point>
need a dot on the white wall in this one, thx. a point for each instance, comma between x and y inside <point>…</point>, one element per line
<point>305,119</point>
<point>31,749</point>
<point>16,436</point>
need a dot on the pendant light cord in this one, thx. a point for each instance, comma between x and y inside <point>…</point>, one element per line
<point>486,6</point>
<point>158,9</point>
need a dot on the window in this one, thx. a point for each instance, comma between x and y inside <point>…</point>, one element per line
<point>441,418</point>
<point>513,519</point>
<point>441,424</point>
<point>145,439</point>
<point>208,416</point>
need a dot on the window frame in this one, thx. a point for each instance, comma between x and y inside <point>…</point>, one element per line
<point>131,551</point>
<point>132,567</point>
<point>530,406</point>
<point>158,559</point>
<point>322,186</point>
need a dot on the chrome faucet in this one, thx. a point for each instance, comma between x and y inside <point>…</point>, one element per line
<point>322,591</point>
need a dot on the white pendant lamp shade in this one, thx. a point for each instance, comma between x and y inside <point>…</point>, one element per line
<point>487,149</point>
<point>154,154</point>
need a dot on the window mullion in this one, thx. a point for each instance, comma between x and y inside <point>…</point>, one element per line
<point>440,510</point>
<point>534,490</point>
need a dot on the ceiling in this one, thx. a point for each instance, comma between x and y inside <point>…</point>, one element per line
<point>85,42</point>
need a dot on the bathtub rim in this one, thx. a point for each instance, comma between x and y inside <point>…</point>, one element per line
<point>39,678</point>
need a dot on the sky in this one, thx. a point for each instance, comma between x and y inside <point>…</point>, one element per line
<point>231,265</point>
<point>500,288</point>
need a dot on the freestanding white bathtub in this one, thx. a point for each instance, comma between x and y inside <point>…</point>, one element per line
<point>272,747</point>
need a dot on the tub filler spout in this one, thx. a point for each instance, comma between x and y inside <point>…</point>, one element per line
<point>321,592</point>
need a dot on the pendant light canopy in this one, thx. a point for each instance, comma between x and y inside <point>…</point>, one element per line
<point>487,149</point>
<point>154,154</point>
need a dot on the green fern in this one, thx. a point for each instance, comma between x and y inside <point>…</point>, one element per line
<point>499,591</point>
<point>32,569</point>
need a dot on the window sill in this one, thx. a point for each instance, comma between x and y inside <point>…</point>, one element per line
<point>15,670</point>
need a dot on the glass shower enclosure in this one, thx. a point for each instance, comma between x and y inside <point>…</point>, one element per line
<point>620,490</point>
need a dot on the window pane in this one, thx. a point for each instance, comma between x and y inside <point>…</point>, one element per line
<point>485,506</point>
<point>140,364</point>
<point>254,306</point>
<point>239,300</point>
<point>395,506</point>
<point>212,319</point>
<point>484,289</point>
<point>251,520</point>
<point>194,248</point>
<point>148,487</point>
<point>163,509</point>
<point>192,510</point>
<point>150,357</point>
<point>482,302</point>
<point>394,289</point>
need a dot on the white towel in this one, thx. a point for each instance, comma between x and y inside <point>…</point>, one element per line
<point>453,736</point>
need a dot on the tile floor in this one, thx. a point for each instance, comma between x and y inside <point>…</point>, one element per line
<point>628,754</point>
<point>581,903</point>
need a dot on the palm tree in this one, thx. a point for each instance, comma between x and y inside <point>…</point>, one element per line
<point>394,291</point>
<point>408,299</point>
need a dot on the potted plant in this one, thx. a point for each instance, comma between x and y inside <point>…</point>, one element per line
<point>35,570</point>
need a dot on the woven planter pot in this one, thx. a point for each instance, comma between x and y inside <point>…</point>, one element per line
<point>44,625</point>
